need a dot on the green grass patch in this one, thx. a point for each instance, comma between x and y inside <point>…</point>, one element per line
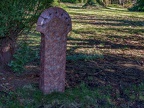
<point>81,96</point>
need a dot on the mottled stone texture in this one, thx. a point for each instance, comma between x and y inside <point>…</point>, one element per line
<point>54,24</point>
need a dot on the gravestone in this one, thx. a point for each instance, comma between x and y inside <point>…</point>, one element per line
<point>54,24</point>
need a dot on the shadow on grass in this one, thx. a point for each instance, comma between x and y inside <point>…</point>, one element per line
<point>120,73</point>
<point>75,7</point>
<point>110,22</point>
<point>113,69</point>
<point>88,43</point>
<point>107,20</point>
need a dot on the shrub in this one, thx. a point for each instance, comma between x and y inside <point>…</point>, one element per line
<point>17,16</point>
<point>138,6</point>
<point>22,56</point>
<point>96,3</point>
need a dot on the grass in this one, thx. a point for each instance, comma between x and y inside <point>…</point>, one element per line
<point>79,97</point>
<point>104,69</point>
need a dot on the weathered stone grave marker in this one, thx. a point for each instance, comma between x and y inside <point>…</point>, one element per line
<point>54,24</point>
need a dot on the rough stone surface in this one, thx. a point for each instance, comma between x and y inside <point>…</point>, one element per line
<point>54,24</point>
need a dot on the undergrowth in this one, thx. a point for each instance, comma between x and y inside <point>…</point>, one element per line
<point>23,55</point>
<point>81,96</point>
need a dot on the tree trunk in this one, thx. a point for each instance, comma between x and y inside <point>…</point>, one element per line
<point>121,2</point>
<point>7,48</point>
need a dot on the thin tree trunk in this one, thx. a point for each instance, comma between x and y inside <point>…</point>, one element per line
<point>120,2</point>
<point>7,48</point>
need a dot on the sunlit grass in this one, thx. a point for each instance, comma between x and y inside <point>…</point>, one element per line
<point>115,12</point>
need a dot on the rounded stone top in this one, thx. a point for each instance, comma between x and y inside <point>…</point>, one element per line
<point>50,14</point>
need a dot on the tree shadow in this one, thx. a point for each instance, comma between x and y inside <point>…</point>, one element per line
<point>75,7</point>
<point>113,69</point>
<point>118,72</point>
<point>88,43</point>
<point>111,22</point>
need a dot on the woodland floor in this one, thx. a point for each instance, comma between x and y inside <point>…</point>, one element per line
<point>105,48</point>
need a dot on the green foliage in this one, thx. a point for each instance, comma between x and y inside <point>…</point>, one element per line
<point>91,2</point>
<point>81,96</point>
<point>101,2</point>
<point>70,1</point>
<point>23,55</point>
<point>55,3</point>
<point>139,6</point>
<point>78,97</point>
<point>96,3</point>
<point>16,15</point>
